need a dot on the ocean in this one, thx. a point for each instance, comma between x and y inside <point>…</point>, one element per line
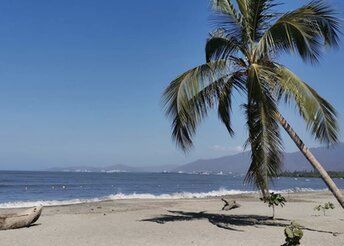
<point>24,188</point>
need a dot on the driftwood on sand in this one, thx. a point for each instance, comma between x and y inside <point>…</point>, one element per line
<point>230,205</point>
<point>21,219</point>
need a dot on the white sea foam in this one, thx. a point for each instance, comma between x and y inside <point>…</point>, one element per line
<point>181,195</point>
<point>24,204</point>
<point>121,196</point>
<point>297,189</point>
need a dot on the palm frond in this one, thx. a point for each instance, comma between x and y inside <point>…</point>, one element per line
<point>244,7</point>
<point>319,115</point>
<point>264,136</point>
<point>304,30</point>
<point>258,16</point>
<point>227,8</point>
<point>187,105</point>
<point>324,20</point>
<point>235,81</point>
<point>220,47</point>
<point>229,20</point>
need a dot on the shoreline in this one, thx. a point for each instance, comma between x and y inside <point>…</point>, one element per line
<point>191,221</point>
<point>147,196</point>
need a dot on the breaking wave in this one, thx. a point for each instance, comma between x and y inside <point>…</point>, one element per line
<point>121,196</point>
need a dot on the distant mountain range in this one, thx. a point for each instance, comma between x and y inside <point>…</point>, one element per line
<point>331,158</point>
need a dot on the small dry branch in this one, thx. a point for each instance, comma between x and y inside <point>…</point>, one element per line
<point>230,205</point>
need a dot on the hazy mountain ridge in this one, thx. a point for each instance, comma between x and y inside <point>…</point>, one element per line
<point>331,158</point>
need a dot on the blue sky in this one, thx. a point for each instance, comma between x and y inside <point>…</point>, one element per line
<point>81,82</point>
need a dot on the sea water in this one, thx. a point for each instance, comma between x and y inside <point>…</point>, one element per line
<point>23,188</point>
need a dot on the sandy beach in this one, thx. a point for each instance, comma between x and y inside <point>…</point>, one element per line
<point>181,222</point>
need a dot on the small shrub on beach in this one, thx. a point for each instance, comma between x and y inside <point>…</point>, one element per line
<point>293,234</point>
<point>324,207</point>
<point>274,199</point>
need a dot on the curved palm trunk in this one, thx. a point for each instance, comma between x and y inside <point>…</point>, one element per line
<point>313,161</point>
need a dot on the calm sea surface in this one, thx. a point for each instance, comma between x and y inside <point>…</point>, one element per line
<point>19,189</point>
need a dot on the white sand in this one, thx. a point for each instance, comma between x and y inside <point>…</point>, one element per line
<point>181,222</point>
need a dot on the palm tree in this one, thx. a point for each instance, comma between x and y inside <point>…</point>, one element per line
<point>241,56</point>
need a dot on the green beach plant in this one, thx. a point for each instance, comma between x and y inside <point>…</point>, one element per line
<point>274,199</point>
<point>324,207</point>
<point>241,56</point>
<point>293,234</point>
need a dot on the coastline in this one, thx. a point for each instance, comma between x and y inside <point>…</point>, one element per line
<point>195,221</point>
<point>147,196</point>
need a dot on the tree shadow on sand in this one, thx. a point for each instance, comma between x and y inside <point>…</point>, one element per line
<point>229,222</point>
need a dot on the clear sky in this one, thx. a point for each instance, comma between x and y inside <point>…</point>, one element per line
<point>81,82</point>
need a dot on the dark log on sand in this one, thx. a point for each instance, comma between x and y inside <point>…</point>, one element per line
<point>21,219</point>
<point>230,205</point>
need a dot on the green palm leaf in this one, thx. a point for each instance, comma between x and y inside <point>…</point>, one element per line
<point>226,7</point>
<point>303,30</point>
<point>235,81</point>
<point>244,7</point>
<point>264,137</point>
<point>319,114</point>
<point>218,48</point>
<point>258,16</point>
<point>229,21</point>
<point>185,103</point>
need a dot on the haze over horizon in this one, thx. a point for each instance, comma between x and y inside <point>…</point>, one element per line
<point>81,83</point>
